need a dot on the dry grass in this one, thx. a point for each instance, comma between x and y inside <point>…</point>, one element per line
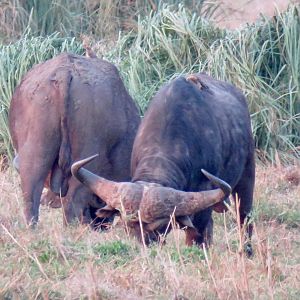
<point>53,262</point>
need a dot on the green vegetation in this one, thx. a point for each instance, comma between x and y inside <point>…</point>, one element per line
<point>188,254</point>
<point>262,59</point>
<point>116,252</point>
<point>101,18</point>
<point>282,214</point>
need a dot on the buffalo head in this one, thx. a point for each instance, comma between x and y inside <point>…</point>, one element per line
<point>149,203</point>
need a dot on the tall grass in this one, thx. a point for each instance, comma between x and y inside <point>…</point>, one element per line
<point>16,59</point>
<point>168,42</point>
<point>101,18</point>
<point>261,59</point>
<point>42,17</point>
<point>264,61</point>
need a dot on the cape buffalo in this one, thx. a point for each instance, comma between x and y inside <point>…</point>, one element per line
<point>63,110</point>
<point>192,123</point>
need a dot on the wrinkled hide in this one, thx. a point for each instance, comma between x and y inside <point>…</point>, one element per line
<point>65,109</point>
<point>197,123</point>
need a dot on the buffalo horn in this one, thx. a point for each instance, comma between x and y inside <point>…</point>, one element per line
<point>161,202</point>
<point>98,185</point>
<point>123,196</point>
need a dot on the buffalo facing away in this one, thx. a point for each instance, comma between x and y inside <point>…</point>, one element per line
<point>192,123</point>
<point>63,110</point>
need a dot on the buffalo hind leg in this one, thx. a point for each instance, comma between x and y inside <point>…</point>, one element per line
<point>33,172</point>
<point>244,191</point>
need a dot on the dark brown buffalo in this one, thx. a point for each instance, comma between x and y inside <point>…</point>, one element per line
<point>192,123</point>
<point>63,110</point>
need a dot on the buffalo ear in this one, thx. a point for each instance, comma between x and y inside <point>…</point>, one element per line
<point>222,206</point>
<point>106,212</point>
<point>193,78</point>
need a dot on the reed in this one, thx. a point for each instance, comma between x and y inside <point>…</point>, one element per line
<point>167,40</point>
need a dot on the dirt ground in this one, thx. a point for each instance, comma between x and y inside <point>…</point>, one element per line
<point>238,12</point>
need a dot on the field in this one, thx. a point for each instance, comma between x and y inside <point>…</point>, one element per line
<point>53,262</point>
<point>262,59</point>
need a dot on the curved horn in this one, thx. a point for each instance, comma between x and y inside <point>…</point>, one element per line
<point>84,176</point>
<point>154,202</point>
<point>118,195</point>
<point>98,185</point>
<point>160,202</point>
<point>226,188</point>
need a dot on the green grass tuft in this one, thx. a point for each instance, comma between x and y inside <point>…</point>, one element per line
<point>117,252</point>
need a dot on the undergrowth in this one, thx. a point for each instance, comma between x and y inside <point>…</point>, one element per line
<point>57,262</point>
<point>262,59</point>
